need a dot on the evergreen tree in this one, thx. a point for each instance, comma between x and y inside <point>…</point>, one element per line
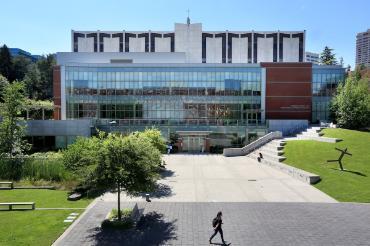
<point>327,57</point>
<point>32,81</point>
<point>20,67</point>
<point>6,64</point>
<point>45,66</point>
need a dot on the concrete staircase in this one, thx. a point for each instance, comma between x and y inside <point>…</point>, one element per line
<point>271,154</point>
<point>273,151</point>
<point>314,133</point>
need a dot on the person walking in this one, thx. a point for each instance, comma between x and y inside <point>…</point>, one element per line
<point>217,227</point>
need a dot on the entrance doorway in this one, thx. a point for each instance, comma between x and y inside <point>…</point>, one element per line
<point>193,144</point>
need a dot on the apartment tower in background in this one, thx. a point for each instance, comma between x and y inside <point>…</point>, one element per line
<point>363,48</point>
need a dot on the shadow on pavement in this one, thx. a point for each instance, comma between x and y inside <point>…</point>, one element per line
<point>165,173</point>
<point>151,229</point>
<point>161,190</point>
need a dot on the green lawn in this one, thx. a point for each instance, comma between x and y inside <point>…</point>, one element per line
<point>352,185</point>
<point>36,227</point>
<point>42,198</point>
<point>32,227</point>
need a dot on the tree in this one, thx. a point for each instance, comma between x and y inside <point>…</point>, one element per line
<point>155,138</point>
<point>115,161</point>
<point>12,127</point>
<point>6,64</point>
<point>3,83</point>
<point>351,104</point>
<point>32,81</point>
<point>45,66</point>
<point>39,78</point>
<point>20,67</point>
<point>81,157</point>
<point>129,163</point>
<point>327,57</point>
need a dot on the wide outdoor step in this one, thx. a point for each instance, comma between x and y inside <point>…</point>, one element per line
<point>273,151</point>
<point>296,173</point>
<point>278,142</point>
<point>274,146</point>
<point>320,139</point>
<point>314,129</point>
<point>269,156</point>
<point>312,133</point>
<point>317,128</point>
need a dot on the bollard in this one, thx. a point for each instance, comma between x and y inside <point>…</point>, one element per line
<point>147,197</point>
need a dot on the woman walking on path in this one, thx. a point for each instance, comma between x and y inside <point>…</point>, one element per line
<point>217,226</point>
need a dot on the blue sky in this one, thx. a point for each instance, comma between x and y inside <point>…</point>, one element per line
<point>43,26</point>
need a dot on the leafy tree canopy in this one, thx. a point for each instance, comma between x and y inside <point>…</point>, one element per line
<point>3,83</point>
<point>351,104</point>
<point>155,138</point>
<point>115,161</point>
<point>12,127</point>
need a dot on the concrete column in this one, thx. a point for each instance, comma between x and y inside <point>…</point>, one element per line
<point>263,95</point>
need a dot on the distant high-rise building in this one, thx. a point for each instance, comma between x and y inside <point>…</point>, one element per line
<point>363,48</point>
<point>312,57</point>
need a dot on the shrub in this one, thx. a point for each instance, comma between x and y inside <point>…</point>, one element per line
<point>40,166</point>
<point>11,168</point>
<point>112,222</point>
<point>126,213</point>
<point>48,166</point>
<point>217,149</point>
<point>81,157</point>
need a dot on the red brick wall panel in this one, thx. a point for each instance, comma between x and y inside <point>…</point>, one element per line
<point>57,92</point>
<point>288,90</point>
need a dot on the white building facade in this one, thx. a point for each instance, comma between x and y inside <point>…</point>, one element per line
<point>312,57</point>
<point>199,46</point>
<point>363,48</point>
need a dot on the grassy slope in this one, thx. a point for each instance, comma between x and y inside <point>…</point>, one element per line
<point>350,186</point>
<point>37,227</point>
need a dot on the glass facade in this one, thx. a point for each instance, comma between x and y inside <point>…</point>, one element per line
<point>221,96</point>
<point>324,83</point>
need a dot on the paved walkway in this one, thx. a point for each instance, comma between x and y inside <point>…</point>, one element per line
<point>215,178</point>
<point>166,223</point>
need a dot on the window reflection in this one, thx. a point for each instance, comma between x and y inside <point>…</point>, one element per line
<point>173,95</point>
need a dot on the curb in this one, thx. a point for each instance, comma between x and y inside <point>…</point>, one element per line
<point>70,228</point>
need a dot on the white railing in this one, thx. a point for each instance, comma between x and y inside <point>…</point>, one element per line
<point>253,145</point>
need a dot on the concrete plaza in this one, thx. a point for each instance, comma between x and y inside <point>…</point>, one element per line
<point>245,223</point>
<point>261,206</point>
<point>215,178</point>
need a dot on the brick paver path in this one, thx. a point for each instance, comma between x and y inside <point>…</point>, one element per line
<point>187,223</point>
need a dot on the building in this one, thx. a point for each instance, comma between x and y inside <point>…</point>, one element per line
<point>191,84</point>
<point>19,52</point>
<point>314,58</point>
<point>198,46</point>
<point>363,48</point>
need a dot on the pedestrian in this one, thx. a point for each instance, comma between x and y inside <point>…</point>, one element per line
<point>217,227</point>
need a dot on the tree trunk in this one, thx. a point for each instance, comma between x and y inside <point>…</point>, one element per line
<point>119,201</point>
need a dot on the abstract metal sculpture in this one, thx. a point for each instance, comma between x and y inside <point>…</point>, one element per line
<point>343,152</point>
